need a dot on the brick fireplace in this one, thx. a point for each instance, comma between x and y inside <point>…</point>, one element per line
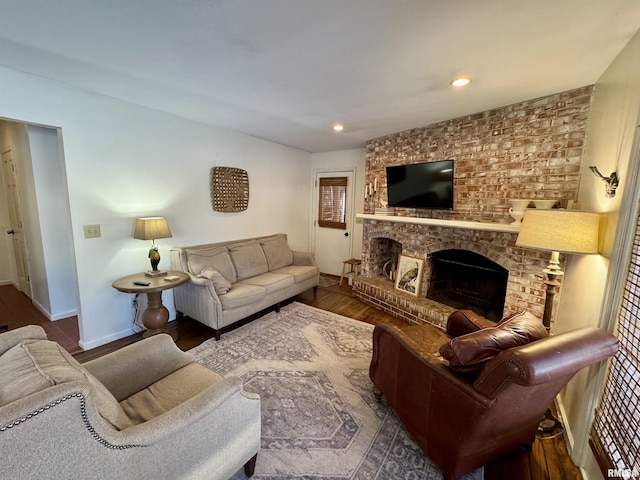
<point>387,237</point>
<point>531,150</point>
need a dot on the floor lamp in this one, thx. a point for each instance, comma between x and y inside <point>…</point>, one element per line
<point>558,231</point>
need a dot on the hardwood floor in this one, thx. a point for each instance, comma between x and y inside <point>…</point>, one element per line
<point>17,310</point>
<point>547,460</point>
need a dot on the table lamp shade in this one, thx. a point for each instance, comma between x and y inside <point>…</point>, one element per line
<point>151,228</point>
<point>558,230</point>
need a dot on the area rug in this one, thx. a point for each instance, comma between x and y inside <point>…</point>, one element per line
<point>320,420</point>
<point>327,281</point>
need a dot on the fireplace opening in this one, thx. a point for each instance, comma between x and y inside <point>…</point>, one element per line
<point>466,280</point>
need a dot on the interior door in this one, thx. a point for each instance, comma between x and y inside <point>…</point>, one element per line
<point>333,220</point>
<point>15,219</point>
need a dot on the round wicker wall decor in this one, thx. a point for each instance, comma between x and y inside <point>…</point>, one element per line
<point>229,189</point>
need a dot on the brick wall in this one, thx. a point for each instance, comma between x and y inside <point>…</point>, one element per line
<point>530,150</point>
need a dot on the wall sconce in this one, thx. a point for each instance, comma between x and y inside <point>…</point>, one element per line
<point>611,182</point>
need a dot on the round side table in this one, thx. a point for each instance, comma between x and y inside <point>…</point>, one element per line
<point>156,315</point>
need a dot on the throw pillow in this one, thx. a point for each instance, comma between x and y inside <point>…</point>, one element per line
<point>220,284</point>
<point>468,353</point>
<point>215,257</point>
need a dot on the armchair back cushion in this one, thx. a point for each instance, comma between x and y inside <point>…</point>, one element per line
<point>34,365</point>
<point>468,353</point>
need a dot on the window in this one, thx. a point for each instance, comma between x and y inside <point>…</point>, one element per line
<point>332,202</point>
<point>614,433</point>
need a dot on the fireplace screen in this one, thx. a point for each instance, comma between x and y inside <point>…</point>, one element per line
<point>464,279</point>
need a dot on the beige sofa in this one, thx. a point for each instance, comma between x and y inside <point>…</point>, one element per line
<point>144,411</point>
<point>232,280</point>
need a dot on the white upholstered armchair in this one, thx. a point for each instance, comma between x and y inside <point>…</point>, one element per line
<point>144,411</point>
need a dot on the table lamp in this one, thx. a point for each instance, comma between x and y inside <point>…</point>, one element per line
<point>152,228</point>
<point>558,231</point>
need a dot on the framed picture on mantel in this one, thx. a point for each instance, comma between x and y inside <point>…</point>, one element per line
<point>409,274</point>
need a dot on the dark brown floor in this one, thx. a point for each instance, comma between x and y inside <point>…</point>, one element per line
<point>548,459</point>
<point>17,310</point>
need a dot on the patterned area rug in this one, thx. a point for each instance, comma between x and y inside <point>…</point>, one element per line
<point>320,420</point>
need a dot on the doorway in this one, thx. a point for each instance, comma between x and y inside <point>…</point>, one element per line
<point>32,158</point>
<point>333,218</point>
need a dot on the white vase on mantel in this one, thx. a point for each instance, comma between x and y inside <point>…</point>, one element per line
<point>517,210</point>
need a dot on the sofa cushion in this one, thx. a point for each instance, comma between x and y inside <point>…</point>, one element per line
<point>169,392</point>
<point>34,365</point>
<point>215,257</point>
<point>468,353</point>
<point>220,284</point>
<point>248,260</point>
<point>300,273</point>
<point>277,252</point>
<point>241,295</point>
<point>271,282</point>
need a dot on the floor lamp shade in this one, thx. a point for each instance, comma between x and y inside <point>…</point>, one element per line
<point>557,230</point>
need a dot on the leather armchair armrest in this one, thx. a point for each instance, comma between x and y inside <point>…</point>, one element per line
<point>462,322</point>
<point>546,360</point>
<point>136,366</point>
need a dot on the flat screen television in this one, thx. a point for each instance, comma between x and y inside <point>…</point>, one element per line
<point>421,185</point>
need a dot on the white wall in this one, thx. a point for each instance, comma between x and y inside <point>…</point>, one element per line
<point>123,161</point>
<point>347,159</point>
<point>54,223</point>
<point>614,116</point>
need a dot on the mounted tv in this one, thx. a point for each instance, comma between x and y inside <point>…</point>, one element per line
<point>421,185</point>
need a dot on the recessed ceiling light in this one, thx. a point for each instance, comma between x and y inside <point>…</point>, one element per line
<point>460,82</point>
<point>338,127</point>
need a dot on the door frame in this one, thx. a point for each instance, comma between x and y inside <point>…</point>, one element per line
<point>351,190</point>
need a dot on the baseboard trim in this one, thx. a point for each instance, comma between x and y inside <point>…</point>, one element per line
<point>104,340</point>
<point>568,435</point>
<point>67,314</point>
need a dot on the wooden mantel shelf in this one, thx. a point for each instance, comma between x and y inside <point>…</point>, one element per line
<point>487,226</point>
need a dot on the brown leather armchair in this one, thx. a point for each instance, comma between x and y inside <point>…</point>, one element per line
<point>478,391</point>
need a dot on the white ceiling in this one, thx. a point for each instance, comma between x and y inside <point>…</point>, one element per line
<point>286,70</point>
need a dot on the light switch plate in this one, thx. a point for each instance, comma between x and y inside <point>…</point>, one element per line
<point>92,231</point>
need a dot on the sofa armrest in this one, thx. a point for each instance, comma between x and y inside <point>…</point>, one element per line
<point>13,337</point>
<point>304,258</point>
<point>559,356</point>
<point>462,322</point>
<point>136,366</point>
